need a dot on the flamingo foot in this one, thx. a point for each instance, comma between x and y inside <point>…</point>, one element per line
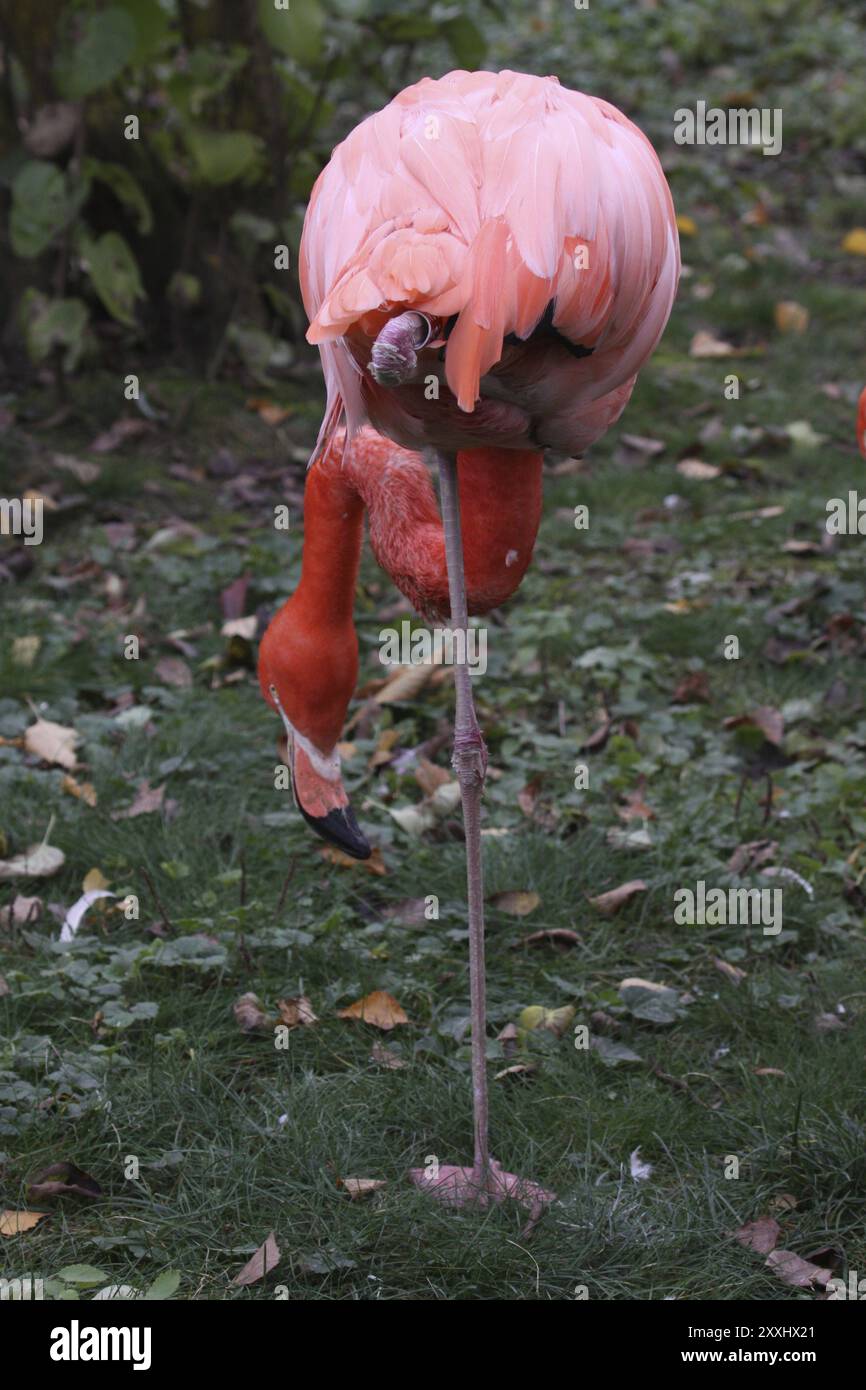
<point>461,1187</point>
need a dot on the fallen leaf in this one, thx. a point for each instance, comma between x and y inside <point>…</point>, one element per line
<point>854,242</point>
<point>240,627</point>
<point>697,469</point>
<point>404,684</point>
<point>94,878</point>
<point>732,972</point>
<point>39,861</point>
<point>800,1274</point>
<point>767,1071</point>
<point>249,1014</point>
<point>686,226</point>
<point>791,317</point>
<point>609,903</point>
<point>384,750</point>
<point>430,776</point>
<point>269,411</point>
<point>147,800</point>
<point>752,855</point>
<point>82,470</point>
<point>173,670</point>
<point>704,344</point>
<point>556,1021</point>
<point>25,650</point>
<point>694,688</point>
<point>21,911</point>
<point>641,444</point>
<point>83,791</point>
<point>518,1069</point>
<point>760,1235</point>
<point>557,936</point>
<point>374,865</point>
<point>15,1223</point>
<point>296,1013</point>
<point>361,1187</point>
<point>386,1057</point>
<point>517,902</point>
<point>53,743</point>
<point>127,427</point>
<point>62,1179</point>
<point>766,718</point>
<point>379,1008</point>
<point>266,1258</point>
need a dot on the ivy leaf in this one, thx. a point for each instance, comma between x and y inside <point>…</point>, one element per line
<point>42,205</point>
<point>221,156</point>
<point>125,188</point>
<point>107,41</point>
<point>50,323</point>
<point>113,271</point>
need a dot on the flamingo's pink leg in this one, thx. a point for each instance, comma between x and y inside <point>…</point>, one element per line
<point>470,764</point>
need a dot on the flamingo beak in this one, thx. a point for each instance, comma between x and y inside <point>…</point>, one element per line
<point>319,793</point>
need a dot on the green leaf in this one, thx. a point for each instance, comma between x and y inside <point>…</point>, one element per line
<point>103,45</point>
<point>223,156</point>
<point>42,205</point>
<point>406,28</point>
<point>114,275</point>
<point>125,188</point>
<point>85,1276</point>
<point>164,1285</point>
<point>296,31</point>
<point>465,41</point>
<point>50,323</point>
<point>152,26</point>
<point>613,1053</point>
<point>249,227</point>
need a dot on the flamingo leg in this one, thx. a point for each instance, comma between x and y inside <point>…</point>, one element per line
<point>470,764</point>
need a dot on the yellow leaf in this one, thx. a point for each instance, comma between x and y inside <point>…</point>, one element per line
<point>379,1008</point>
<point>94,879</point>
<point>855,242</point>
<point>687,226</point>
<point>517,903</point>
<point>84,791</point>
<point>15,1223</point>
<point>374,865</point>
<point>791,317</point>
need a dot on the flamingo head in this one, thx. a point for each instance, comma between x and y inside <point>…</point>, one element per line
<point>308,682</point>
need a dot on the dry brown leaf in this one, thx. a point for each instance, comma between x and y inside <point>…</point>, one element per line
<point>516,902</point>
<point>801,548</point>
<point>93,880</point>
<point>374,865</point>
<point>385,744</point>
<point>249,1014</point>
<point>609,903</point>
<point>361,1187</point>
<point>760,1235</point>
<point>83,791</point>
<point>21,912</point>
<point>297,1012</point>
<point>147,800</point>
<point>557,936</point>
<point>694,688</point>
<point>266,1258</point>
<point>15,1223</point>
<point>386,1057</point>
<point>430,776</point>
<point>173,670</point>
<point>518,1069</point>
<point>53,743</point>
<point>379,1008</point>
<point>405,683</point>
<point>765,718</point>
<point>269,411</point>
<point>698,470</point>
<point>791,1269</point>
<point>767,1071</point>
<point>61,1180</point>
<point>791,317</point>
<point>731,972</point>
<point>704,344</point>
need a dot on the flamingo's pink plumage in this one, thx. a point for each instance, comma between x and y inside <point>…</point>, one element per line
<point>505,200</point>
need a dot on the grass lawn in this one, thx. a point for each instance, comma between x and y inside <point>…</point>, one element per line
<point>742,1086</point>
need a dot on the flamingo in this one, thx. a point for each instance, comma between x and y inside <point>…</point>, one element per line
<point>486,263</point>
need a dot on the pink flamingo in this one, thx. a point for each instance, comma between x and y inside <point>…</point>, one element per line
<point>486,264</point>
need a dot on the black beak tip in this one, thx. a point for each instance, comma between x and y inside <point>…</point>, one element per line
<point>341,829</point>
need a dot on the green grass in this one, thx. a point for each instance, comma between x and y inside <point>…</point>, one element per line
<point>198,1103</point>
